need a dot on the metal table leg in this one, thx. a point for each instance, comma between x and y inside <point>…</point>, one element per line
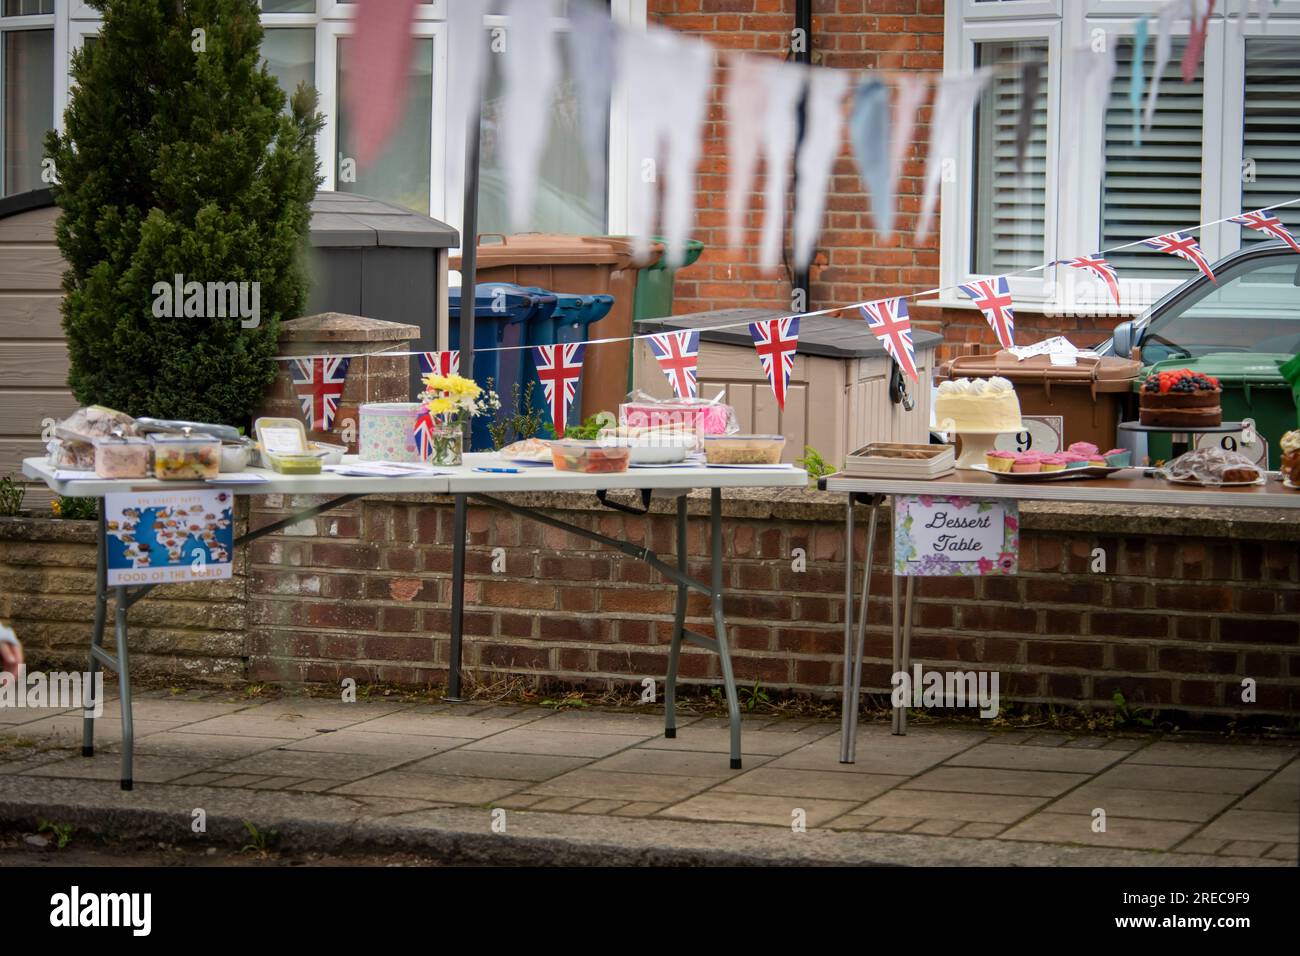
<point>720,625</point>
<point>849,740</point>
<point>904,650</point>
<point>848,703</point>
<point>457,597</point>
<point>124,687</point>
<point>96,635</point>
<point>679,625</point>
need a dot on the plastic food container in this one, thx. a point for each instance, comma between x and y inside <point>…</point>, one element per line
<point>122,458</point>
<point>185,458</point>
<point>653,449</point>
<point>235,457</point>
<point>743,449</point>
<point>388,431</point>
<point>704,418</point>
<point>589,457</point>
<point>294,464</point>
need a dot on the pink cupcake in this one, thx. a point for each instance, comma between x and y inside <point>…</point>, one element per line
<point>1053,463</point>
<point>1000,460</point>
<point>1074,460</point>
<point>1027,464</point>
<point>1085,448</point>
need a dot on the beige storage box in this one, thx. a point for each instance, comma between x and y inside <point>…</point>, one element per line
<point>839,396</point>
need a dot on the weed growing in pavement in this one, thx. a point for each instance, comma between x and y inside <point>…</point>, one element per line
<point>62,832</point>
<point>261,841</point>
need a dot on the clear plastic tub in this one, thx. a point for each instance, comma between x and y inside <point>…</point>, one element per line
<point>743,449</point>
<point>185,458</point>
<point>589,457</point>
<point>309,464</point>
<point>122,458</point>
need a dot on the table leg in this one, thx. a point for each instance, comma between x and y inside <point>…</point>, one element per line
<point>679,625</point>
<point>850,746</point>
<point>848,705</point>
<point>124,688</point>
<point>894,616</point>
<point>908,604</point>
<point>720,625</point>
<point>97,634</point>
<point>457,597</point>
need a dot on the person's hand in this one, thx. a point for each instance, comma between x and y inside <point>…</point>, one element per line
<point>11,657</point>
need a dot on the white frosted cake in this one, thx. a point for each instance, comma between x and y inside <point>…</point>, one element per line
<point>977,405</point>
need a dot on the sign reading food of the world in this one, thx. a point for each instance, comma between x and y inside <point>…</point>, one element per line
<point>168,537</point>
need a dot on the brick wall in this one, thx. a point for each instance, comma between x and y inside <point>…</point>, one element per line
<point>853,262</point>
<point>1185,610</point>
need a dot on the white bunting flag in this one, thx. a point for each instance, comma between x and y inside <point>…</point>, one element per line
<point>784,84</point>
<point>746,102</point>
<point>952,110</point>
<point>817,152</point>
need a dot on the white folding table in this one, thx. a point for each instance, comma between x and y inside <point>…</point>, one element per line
<point>462,483</point>
<point>1134,486</point>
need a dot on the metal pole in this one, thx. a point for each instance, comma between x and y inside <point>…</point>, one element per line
<point>679,624</point>
<point>720,624</point>
<point>124,689</point>
<point>800,286</point>
<point>457,597</point>
<point>97,635</point>
<point>846,702</point>
<point>469,249</point>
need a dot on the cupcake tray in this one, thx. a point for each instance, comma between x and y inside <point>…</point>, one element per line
<point>1068,474</point>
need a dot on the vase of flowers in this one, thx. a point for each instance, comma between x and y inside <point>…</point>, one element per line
<point>448,404</point>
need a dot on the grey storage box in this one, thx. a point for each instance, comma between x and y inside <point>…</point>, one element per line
<point>382,261</point>
<point>839,394</point>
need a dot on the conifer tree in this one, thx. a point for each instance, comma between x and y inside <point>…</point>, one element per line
<point>178,157</point>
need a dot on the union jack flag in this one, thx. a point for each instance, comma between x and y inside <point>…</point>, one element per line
<point>679,355</point>
<point>776,341</point>
<point>318,384</point>
<point>424,435</point>
<point>889,322</point>
<point>1184,247</point>
<point>559,367</point>
<point>1267,223</point>
<point>440,363</point>
<point>993,297</point>
<point>1100,268</point>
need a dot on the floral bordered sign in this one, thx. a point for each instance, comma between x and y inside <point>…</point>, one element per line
<point>936,536</point>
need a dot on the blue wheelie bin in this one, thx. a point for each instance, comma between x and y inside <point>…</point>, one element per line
<point>570,321</point>
<point>502,312</point>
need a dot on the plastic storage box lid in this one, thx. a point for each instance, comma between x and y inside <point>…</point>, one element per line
<point>543,248</point>
<point>823,335</point>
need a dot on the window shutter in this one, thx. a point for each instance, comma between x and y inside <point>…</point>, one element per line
<point>1154,188</point>
<point>1010,211</point>
<point>1271,130</point>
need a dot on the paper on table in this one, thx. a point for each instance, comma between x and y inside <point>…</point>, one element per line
<point>69,474</point>
<point>376,469</point>
<point>238,478</point>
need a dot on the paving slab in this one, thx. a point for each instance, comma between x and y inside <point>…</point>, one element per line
<point>884,755</point>
<point>1120,831</point>
<point>780,782</point>
<point>438,787</point>
<point>1034,783</point>
<point>1242,756</point>
<point>600,722</point>
<point>302,764</point>
<point>555,742</point>
<point>1051,759</point>
<point>502,766</point>
<point>434,725</point>
<point>1185,805</point>
<point>717,740</point>
<point>172,743</point>
<point>175,711</point>
<point>752,808</point>
<point>974,807</point>
<point>1197,779</point>
<point>1282,796</point>
<point>351,740</point>
<point>66,730</point>
<point>682,763</point>
<point>14,716</point>
<point>255,723</point>
<point>1254,825</point>
<point>105,766</point>
<point>1288,852</point>
<point>616,785</point>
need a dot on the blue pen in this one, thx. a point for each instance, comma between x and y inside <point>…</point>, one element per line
<point>500,471</point>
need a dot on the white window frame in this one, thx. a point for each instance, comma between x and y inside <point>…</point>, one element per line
<point>39,21</point>
<point>1074,226</point>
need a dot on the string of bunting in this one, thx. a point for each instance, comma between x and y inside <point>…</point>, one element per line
<point>318,380</point>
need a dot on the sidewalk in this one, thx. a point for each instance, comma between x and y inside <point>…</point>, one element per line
<point>596,786</point>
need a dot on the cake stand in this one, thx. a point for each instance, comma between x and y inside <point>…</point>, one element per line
<point>1179,442</point>
<point>975,445</point>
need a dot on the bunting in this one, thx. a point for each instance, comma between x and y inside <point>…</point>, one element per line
<point>318,382</point>
<point>440,363</point>
<point>1098,267</point>
<point>424,435</point>
<point>593,42</point>
<point>678,354</point>
<point>817,152</point>
<point>559,367</point>
<point>1264,221</point>
<point>993,298</point>
<point>776,341</point>
<point>869,134</point>
<point>952,109</point>
<point>531,66</point>
<point>1184,247</point>
<point>889,322</point>
<point>1136,79</point>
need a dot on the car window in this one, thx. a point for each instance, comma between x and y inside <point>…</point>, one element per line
<point>1255,307</point>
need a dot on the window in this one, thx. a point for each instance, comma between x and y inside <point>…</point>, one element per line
<point>27,8</point>
<point>400,173</point>
<point>27,68</point>
<point>290,55</point>
<point>1224,143</point>
<point>1010,209</point>
<point>1271,130</point>
<point>1155,185</point>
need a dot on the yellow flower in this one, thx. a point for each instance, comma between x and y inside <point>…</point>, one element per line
<point>440,406</point>
<point>55,507</point>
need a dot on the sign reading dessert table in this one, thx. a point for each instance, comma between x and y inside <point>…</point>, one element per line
<point>168,537</point>
<point>936,536</point>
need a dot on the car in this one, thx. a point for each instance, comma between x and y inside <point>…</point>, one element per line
<point>1253,307</point>
<point>1241,327</point>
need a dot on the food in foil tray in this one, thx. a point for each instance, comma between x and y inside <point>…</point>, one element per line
<point>1212,466</point>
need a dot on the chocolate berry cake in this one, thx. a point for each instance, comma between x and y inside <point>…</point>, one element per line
<point>1180,397</point>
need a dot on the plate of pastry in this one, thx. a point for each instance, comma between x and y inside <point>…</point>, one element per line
<point>1213,468</point>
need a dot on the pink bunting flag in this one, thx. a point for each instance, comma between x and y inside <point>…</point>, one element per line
<point>1196,42</point>
<point>377,78</point>
<point>776,341</point>
<point>1184,247</point>
<point>1099,267</point>
<point>889,322</point>
<point>1264,221</point>
<point>559,367</point>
